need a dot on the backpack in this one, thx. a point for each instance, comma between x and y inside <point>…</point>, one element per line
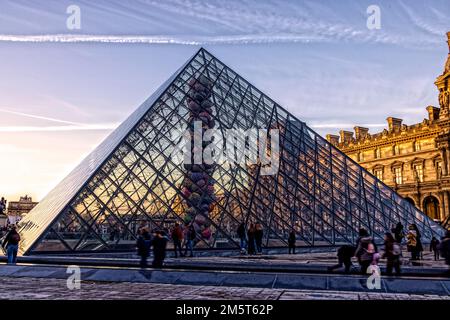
<point>412,240</point>
<point>15,238</point>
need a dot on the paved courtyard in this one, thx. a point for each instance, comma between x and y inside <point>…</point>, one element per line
<point>44,288</point>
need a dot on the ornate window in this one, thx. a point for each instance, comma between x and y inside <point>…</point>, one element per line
<point>398,175</point>
<point>418,170</point>
<point>417,146</point>
<point>377,153</point>
<point>396,150</point>
<point>360,156</point>
<point>438,169</point>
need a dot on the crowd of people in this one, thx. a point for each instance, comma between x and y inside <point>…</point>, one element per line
<point>183,238</point>
<point>365,249</point>
<point>251,239</point>
<point>367,253</point>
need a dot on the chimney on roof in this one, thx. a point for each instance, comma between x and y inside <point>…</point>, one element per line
<point>394,124</point>
<point>360,132</point>
<point>333,139</point>
<point>346,136</point>
<point>448,41</point>
<point>433,113</point>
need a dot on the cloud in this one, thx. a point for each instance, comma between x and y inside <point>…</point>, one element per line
<point>208,40</point>
<point>346,125</point>
<point>192,22</point>
<point>69,125</point>
<point>39,117</point>
<point>85,127</point>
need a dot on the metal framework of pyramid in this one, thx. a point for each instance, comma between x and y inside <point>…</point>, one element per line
<point>132,180</point>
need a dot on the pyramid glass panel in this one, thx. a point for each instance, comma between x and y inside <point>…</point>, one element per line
<point>140,177</point>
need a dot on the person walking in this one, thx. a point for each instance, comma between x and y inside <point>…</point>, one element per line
<point>177,238</point>
<point>242,237</point>
<point>398,232</point>
<point>344,254</point>
<point>159,244</point>
<point>291,242</point>
<point>411,243</point>
<point>419,246</point>
<point>444,248</point>
<point>11,243</point>
<point>392,251</point>
<point>2,205</point>
<point>365,250</point>
<point>190,237</point>
<point>259,233</point>
<point>143,246</point>
<point>434,247</point>
<point>251,239</point>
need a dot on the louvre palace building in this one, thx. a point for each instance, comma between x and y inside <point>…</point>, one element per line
<point>414,160</point>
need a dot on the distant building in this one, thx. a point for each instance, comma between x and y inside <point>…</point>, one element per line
<point>414,160</point>
<point>3,220</point>
<point>17,209</point>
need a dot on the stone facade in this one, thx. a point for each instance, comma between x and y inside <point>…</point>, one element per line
<point>414,160</point>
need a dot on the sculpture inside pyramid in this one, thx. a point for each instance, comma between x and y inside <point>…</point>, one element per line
<point>133,180</point>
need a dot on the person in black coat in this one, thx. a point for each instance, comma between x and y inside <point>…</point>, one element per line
<point>291,242</point>
<point>251,239</point>
<point>242,237</point>
<point>159,244</point>
<point>444,248</point>
<point>259,233</point>
<point>434,247</point>
<point>143,246</point>
<point>398,232</point>
<point>344,254</point>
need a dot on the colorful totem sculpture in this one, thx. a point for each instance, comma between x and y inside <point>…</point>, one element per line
<point>199,188</point>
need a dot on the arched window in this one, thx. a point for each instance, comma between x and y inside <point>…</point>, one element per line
<point>431,207</point>
<point>410,201</point>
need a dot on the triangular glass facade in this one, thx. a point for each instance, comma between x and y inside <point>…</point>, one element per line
<point>133,178</point>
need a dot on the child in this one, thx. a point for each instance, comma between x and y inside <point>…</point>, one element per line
<point>434,245</point>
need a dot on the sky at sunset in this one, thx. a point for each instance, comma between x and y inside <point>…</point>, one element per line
<point>63,91</point>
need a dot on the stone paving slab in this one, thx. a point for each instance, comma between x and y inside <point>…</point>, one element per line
<point>419,286</point>
<point>199,278</point>
<point>261,280</point>
<point>357,283</point>
<point>294,282</point>
<point>50,289</point>
<point>250,280</point>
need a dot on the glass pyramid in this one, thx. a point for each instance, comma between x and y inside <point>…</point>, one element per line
<point>132,179</point>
